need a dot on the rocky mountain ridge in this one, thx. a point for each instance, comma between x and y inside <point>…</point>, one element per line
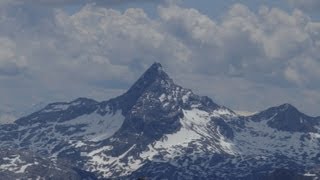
<point>160,130</point>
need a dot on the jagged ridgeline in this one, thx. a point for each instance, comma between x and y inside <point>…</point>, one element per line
<point>159,130</point>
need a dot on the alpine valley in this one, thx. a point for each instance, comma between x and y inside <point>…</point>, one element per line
<point>159,130</point>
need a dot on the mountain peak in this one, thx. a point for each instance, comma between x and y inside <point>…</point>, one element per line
<point>281,109</point>
<point>156,66</point>
<point>155,71</point>
<point>153,74</point>
<point>287,107</point>
<point>286,117</point>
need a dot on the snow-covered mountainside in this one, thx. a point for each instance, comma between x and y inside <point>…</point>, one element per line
<point>160,130</point>
<point>24,164</point>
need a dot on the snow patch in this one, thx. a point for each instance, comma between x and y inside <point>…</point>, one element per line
<point>101,162</point>
<point>105,148</point>
<point>258,139</point>
<point>245,113</point>
<point>310,175</point>
<point>222,112</point>
<point>195,128</point>
<point>185,98</point>
<point>97,127</point>
<point>14,164</point>
<point>23,168</point>
<point>162,98</point>
<point>55,108</point>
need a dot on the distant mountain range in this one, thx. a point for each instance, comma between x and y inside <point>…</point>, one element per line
<point>159,130</point>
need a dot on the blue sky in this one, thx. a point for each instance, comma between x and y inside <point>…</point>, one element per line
<point>247,55</point>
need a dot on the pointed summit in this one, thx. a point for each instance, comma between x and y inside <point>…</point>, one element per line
<point>156,66</point>
<point>288,108</point>
<point>154,74</point>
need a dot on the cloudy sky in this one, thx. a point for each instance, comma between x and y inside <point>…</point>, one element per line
<point>247,55</point>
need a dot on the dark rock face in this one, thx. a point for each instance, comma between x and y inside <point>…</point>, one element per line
<point>159,130</point>
<point>144,113</point>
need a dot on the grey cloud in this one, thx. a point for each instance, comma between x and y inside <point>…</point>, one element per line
<point>79,2</point>
<point>270,56</point>
<point>309,5</point>
<point>10,69</point>
<point>260,47</point>
<point>11,64</point>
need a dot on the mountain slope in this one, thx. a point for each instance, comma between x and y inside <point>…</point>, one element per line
<point>161,130</point>
<point>27,165</point>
